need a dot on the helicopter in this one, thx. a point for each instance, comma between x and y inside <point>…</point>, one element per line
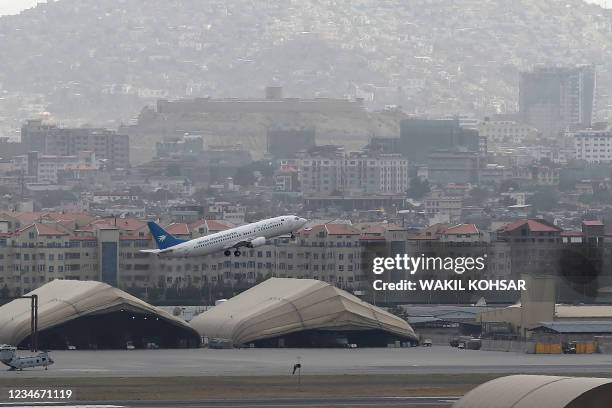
<point>9,357</point>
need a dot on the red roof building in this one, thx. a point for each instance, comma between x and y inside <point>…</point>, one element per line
<point>42,230</point>
<point>530,230</point>
<point>205,227</point>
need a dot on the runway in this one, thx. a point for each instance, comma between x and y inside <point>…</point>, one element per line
<point>279,362</point>
<point>259,403</point>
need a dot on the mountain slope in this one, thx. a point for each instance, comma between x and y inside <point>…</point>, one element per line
<point>100,60</point>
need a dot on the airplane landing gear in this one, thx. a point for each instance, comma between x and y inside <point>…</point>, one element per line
<point>227,252</point>
<point>236,253</point>
<point>292,236</point>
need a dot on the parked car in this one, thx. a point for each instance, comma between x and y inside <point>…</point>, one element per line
<point>569,348</point>
<point>427,343</point>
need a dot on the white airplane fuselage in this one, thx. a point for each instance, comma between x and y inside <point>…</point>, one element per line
<point>248,236</point>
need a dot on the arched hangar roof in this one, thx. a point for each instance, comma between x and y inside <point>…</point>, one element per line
<point>60,301</point>
<point>528,391</point>
<point>281,306</point>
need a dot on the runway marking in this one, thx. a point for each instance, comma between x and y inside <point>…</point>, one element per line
<point>52,404</point>
<point>361,402</point>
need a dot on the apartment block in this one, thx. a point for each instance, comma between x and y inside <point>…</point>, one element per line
<point>507,131</point>
<point>593,146</point>
<point>49,139</point>
<point>331,172</point>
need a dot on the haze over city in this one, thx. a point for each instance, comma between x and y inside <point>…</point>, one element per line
<point>207,203</point>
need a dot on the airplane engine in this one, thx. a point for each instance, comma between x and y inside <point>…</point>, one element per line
<point>257,242</point>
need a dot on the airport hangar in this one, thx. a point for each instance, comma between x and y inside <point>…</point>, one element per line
<point>280,312</point>
<point>284,312</point>
<point>527,391</point>
<point>91,315</point>
<point>539,317</point>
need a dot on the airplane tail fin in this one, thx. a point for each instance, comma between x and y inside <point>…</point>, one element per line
<point>162,238</point>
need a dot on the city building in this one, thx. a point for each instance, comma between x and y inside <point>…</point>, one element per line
<point>453,167</point>
<point>442,208</point>
<point>286,179</point>
<point>327,171</point>
<point>380,173</point>
<point>552,98</point>
<point>45,168</point>
<point>225,211</point>
<point>506,131</point>
<point>185,145</point>
<point>48,139</point>
<point>593,146</point>
<point>420,137</point>
<point>320,171</point>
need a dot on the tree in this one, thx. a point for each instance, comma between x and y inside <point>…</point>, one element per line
<point>244,176</point>
<point>507,185</point>
<point>545,199</point>
<point>418,188</point>
<point>478,195</point>
<point>507,201</point>
<point>173,170</point>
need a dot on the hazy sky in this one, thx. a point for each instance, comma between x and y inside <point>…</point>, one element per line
<point>15,6</point>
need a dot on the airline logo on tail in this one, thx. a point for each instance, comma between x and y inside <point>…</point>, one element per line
<point>162,237</point>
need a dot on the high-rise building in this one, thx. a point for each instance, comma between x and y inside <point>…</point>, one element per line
<point>552,98</point>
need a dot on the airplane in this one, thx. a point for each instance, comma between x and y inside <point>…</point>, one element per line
<point>248,236</point>
<point>10,358</point>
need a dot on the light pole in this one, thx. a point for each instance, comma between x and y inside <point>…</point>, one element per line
<point>33,320</point>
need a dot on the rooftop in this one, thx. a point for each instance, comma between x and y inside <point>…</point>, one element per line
<point>532,225</point>
<point>462,229</point>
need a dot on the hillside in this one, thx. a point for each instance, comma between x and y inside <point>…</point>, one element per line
<point>100,61</point>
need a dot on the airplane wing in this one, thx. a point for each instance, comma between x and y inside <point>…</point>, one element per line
<point>156,251</point>
<point>150,251</point>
